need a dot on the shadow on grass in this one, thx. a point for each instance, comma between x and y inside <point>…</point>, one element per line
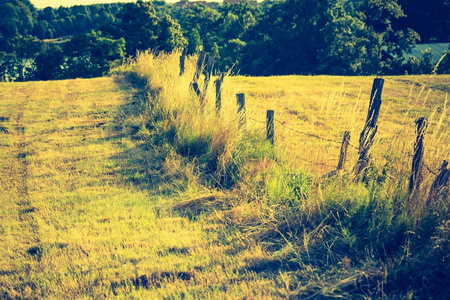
<point>140,163</point>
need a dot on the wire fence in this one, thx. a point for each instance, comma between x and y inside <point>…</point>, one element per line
<point>305,133</point>
<point>309,135</point>
<point>434,172</point>
<point>366,138</point>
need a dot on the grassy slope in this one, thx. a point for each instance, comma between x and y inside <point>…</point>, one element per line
<point>77,221</point>
<point>73,225</point>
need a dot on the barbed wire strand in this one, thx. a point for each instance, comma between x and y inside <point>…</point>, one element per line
<point>304,133</point>
<point>308,134</point>
<point>257,121</point>
<point>426,166</point>
<point>333,141</point>
<point>307,160</point>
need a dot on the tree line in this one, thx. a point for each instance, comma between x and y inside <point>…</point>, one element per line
<point>342,37</point>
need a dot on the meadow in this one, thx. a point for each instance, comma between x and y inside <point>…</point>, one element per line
<point>125,186</point>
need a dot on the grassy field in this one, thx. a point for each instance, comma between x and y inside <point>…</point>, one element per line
<point>76,223</point>
<point>126,187</point>
<point>327,106</point>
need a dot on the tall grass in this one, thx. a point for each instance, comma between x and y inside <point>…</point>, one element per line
<point>213,141</point>
<point>328,237</point>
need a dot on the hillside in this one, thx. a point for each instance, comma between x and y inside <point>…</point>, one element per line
<point>101,197</point>
<point>74,223</point>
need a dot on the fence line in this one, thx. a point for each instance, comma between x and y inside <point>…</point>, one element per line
<point>344,143</point>
<point>439,187</point>
<point>304,133</point>
<point>308,134</point>
<point>333,141</point>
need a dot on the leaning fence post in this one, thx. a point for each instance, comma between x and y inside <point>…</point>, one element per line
<point>370,128</point>
<point>375,102</point>
<point>208,70</point>
<point>417,163</point>
<point>343,155</point>
<point>270,125</point>
<point>200,65</point>
<point>241,109</point>
<point>440,186</point>
<point>182,61</point>
<point>218,84</point>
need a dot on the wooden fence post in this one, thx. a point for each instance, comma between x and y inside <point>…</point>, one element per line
<point>344,146</point>
<point>270,125</point>
<point>208,70</point>
<point>440,186</point>
<point>241,109</point>
<point>218,84</point>
<point>182,61</point>
<point>370,128</point>
<point>375,102</point>
<point>200,65</point>
<point>198,70</point>
<point>417,163</point>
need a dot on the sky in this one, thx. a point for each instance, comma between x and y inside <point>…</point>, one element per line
<point>54,3</point>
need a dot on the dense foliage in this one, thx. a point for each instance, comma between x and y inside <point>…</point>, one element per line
<point>21,17</point>
<point>428,18</point>
<point>346,37</point>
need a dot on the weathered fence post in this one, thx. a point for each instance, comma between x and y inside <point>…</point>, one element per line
<point>417,163</point>
<point>440,186</point>
<point>370,128</point>
<point>344,146</point>
<point>208,70</point>
<point>241,109</point>
<point>218,84</point>
<point>198,70</point>
<point>270,125</point>
<point>375,102</point>
<point>182,61</point>
<point>200,65</point>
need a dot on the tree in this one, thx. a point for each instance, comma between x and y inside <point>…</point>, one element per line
<point>24,50</point>
<point>233,24</point>
<point>49,63</point>
<point>92,55</point>
<point>430,19</point>
<point>104,17</point>
<point>139,24</point>
<point>170,37</point>
<point>40,29</point>
<point>426,65</point>
<point>287,39</point>
<point>344,46</point>
<point>443,66</point>
<point>195,43</point>
<point>378,16</point>
<point>47,14</point>
<point>2,66</point>
<point>200,24</point>
<point>16,17</point>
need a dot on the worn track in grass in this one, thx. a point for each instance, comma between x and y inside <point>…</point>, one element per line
<point>75,222</point>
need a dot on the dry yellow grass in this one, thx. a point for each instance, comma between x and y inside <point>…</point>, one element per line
<point>320,105</point>
<point>329,105</point>
<point>80,217</point>
<point>72,223</point>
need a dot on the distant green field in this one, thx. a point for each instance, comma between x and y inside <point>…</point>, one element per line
<point>97,203</point>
